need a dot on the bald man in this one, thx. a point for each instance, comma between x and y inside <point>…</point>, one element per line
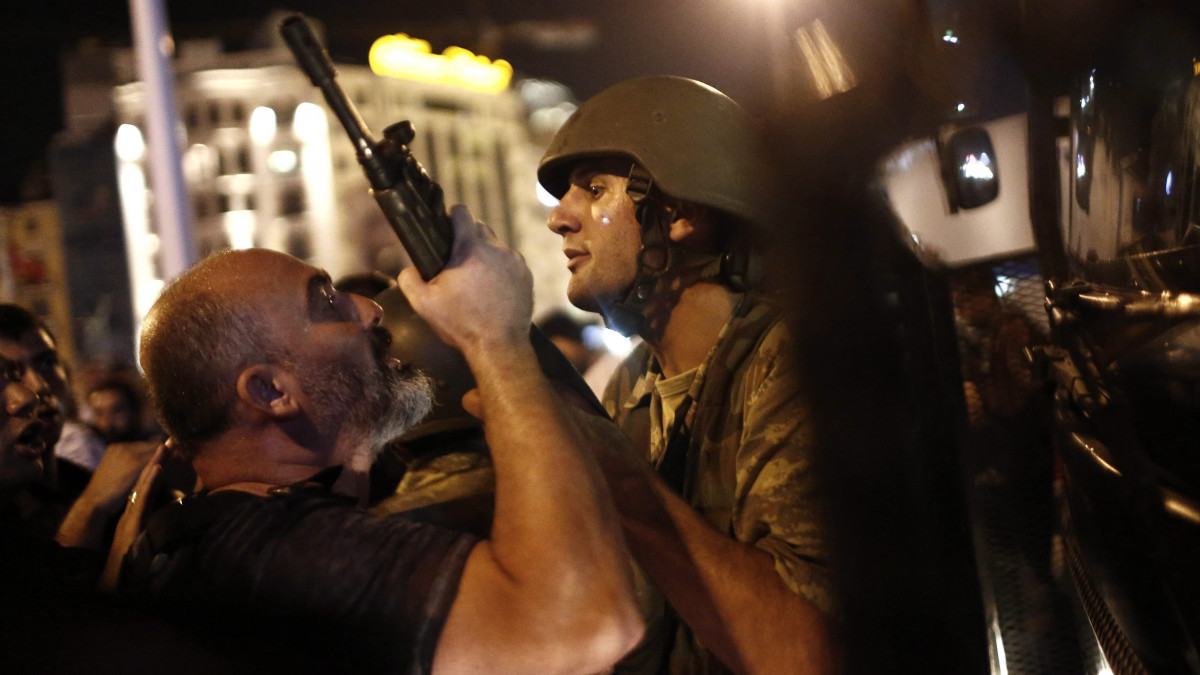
<point>278,388</point>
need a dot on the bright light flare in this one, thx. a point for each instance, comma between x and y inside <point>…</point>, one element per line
<point>545,197</point>
<point>283,161</point>
<point>977,167</point>
<point>309,123</point>
<point>262,125</point>
<point>129,144</point>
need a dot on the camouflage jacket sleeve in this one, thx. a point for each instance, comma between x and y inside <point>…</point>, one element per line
<point>775,501</point>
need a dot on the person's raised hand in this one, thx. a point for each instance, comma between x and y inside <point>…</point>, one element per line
<point>483,296</point>
<point>130,525</point>
<point>118,470</point>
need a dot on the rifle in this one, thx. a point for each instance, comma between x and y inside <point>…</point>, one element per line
<point>411,200</point>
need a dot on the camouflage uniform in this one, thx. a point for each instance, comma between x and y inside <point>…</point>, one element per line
<point>747,468</point>
<point>448,481</point>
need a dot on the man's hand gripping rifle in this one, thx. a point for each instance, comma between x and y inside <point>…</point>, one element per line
<point>410,199</point>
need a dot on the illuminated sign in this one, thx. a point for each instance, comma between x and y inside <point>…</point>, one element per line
<point>412,59</point>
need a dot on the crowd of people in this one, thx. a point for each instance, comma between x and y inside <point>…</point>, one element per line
<point>340,488</point>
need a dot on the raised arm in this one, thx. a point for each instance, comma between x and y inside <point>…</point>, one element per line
<point>551,590</point>
<point>105,494</point>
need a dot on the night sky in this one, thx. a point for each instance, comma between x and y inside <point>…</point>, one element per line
<point>718,41</point>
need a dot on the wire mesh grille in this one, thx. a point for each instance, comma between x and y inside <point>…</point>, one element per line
<point>1008,460</point>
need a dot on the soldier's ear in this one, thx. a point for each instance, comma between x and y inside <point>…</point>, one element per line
<point>691,225</point>
<point>269,390</point>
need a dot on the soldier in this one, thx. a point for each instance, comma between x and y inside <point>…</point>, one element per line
<point>659,186</point>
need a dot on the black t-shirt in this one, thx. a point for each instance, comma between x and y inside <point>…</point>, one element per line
<point>302,579</point>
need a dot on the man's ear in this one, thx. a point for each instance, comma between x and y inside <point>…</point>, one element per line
<point>691,222</point>
<point>270,390</point>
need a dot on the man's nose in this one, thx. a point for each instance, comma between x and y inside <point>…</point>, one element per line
<point>19,401</point>
<point>34,382</point>
<point>369,312</point>
<point>562,218</point>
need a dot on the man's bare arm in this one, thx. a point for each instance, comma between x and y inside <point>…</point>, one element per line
<point>551,590</point>
<point>727,591</point>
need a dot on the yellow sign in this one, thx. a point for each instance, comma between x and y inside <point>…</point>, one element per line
<point>412,59</point>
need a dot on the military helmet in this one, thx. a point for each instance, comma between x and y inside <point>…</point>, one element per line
<point>696,143</point>
<point>415,342</point>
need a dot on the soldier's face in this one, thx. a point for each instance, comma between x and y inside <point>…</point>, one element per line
<point>601,236</point>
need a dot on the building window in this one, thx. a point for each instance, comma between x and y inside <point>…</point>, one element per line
<point>298,244</point>
<point>292,202</point>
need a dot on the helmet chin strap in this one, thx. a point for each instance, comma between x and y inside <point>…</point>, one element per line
<point>654,258</point>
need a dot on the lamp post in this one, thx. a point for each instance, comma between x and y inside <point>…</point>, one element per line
<point>154,47</point>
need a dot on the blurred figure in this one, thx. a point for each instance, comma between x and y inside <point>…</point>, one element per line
<point>660,182</point>
<point>567,334</point>
<point>583,345</point>
<point>115,409</point>
<point>53,620</point>
<point>74,442</point>
<point>30,348</point>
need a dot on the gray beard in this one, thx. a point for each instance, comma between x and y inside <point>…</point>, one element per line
<point>399,402</point>
<point>369,407</point>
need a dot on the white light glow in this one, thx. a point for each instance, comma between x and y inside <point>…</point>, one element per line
<point>1005,286</point>
<point>950,37</point>
<point>262,125</point>
<point>309,122</point>
<point>141,245</point>
<point>1170,181</point>
<point>550,119</point>
<point>239,227</point>
<point>198,162</point>
<point>961,107</point>
<point>545,197</point>
<point>129,144</point>
<point>979,168</point>
<point>1080,167</point>
<point>324,217</point>
<point>613,341</point>
<point>283,161</point>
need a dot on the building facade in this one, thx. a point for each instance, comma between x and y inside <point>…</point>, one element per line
<point>266,164</point>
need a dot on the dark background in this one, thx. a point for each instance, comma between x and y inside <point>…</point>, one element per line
<point>718,41</point>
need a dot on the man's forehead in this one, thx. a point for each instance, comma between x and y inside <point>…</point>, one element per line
<point>14,351</point>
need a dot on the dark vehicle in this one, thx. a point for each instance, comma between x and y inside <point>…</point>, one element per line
<point>1000,239</point>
